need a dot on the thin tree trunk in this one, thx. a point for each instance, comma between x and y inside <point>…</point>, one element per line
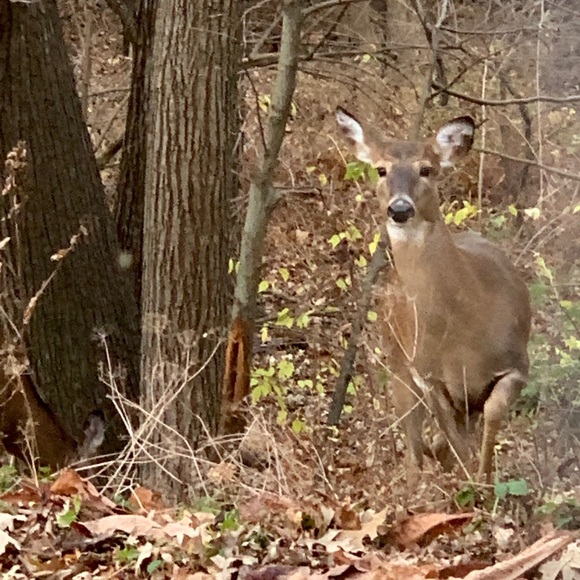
<point>262,200</point>
<point>189,188</point>
<point>89,295</point>
<point>131,189</point>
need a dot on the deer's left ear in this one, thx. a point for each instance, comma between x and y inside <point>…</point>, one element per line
<point>454,140</point>
<point>354,133</point>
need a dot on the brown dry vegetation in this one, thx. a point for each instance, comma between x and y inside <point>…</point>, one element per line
<point>290,479</point>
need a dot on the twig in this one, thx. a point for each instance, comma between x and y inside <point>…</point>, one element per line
<point>378,262</point>
<point>546,168</point>
<point>507,102</point>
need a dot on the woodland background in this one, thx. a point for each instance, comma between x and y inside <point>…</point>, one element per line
<point>168,275</point>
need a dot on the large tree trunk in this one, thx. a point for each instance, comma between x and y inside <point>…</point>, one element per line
<point>90,294</point>
<point>190,184</point>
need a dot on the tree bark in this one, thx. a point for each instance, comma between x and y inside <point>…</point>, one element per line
<point>131,189</point>
<point>189,187</point>
<point>89,294</point>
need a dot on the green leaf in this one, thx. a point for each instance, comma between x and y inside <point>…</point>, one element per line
<point>501,490</point>
<point>335,240</point>
<point>154,565</point>
<point>285,369</point>
<point>513,210</point>
<point>361,261</point>
<point>284,272</point>
<point>284,318</point>
<point>543,268</point>
<point>518,487</point>
<point>466,496</point>
<point>352,233</point>
<point>282,417</point>
<point>372,316</point>
<point>264,285</point>
<point>298,426</point>
<point>341,283</point>
<point>306,383</point>
<point>373,245</point>
<point>231,521</point>
<point>533,212</point>
<point>128,554</point>
<point>303,320</point>
<point>70,513</point>
<point>354,171</point>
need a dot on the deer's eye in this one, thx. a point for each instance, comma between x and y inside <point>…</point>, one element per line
<point>425,170</point>
<point>382,171</point>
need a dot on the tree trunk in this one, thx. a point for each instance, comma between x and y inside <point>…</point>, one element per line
<point>89,294</point>
<point>189,187</point>
<point>131,189</point>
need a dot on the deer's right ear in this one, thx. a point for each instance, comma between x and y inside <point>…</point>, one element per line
<point>354,134</point>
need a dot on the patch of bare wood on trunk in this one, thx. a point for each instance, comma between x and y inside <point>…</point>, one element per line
<point>236,384</point>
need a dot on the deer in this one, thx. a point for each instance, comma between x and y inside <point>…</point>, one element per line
<point>455,313</point>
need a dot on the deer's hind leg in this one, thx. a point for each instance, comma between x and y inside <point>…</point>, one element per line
<point>495,410</point>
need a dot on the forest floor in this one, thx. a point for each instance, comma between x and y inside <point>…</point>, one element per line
<point>292,498</point>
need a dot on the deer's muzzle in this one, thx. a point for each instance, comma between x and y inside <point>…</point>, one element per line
<point>401,210</point>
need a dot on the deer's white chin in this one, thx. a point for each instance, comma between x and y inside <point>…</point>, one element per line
<point>411,232</point>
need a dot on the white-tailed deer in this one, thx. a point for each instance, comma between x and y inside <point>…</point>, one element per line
<point>456,313</point>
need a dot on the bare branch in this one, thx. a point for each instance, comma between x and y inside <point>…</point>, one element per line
<point>506,102</point>
<point>546,168</point>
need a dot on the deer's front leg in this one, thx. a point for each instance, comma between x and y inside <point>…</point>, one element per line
<point>410,409</point>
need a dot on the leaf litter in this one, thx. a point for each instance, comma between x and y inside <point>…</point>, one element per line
<point>271,537</point>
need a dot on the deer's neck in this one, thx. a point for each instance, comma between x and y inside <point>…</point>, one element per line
<point>427,261</point>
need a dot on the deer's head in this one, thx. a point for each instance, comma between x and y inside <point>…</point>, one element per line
<point>408,170</point>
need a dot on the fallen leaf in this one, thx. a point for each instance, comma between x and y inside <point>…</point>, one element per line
<point>529,558</point>
<point>352,540</point>
<point>70,483</point>
<point>131,524</point>
<point>422,528</point>
<point>6,540</point>
<point>145,499</point>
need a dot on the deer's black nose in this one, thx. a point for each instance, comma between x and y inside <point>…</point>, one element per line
<point>401,210</point>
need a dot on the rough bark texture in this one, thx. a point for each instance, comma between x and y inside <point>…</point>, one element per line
<point>189,188</point>
<point>88,294</point>
<point>131,189</point>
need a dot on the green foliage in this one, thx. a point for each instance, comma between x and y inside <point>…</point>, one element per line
<point>462,215</point>
<point>350,234</point>
<point>467,496</point>
<point>514,487</point>
<point>359,170</point>
<point>563,512</point>
<point>8,476</point>
<point>277,380</point>
<point>231,521</point>
<point>555,355</point>
<point>69,513</point>
<point>127,554</point>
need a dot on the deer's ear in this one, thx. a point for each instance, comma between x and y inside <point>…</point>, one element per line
<point>354,134</point>
<point>454,140</point>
